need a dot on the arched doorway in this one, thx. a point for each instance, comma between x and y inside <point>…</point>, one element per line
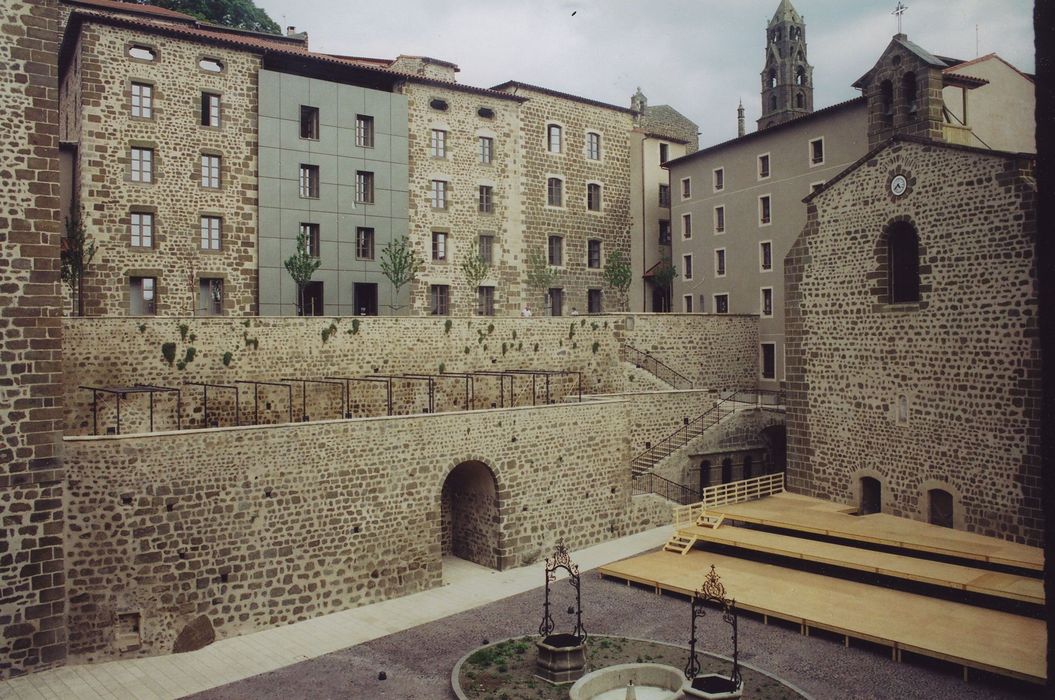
<point>775,437</point>
<point>470,523</point>
<point>727,470</point>
<point>871,496</point>
<point>705,475</point>
<point>940,508</point>
<point>749,467</point>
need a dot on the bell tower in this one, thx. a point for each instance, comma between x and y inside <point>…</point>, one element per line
<point>787,79</point>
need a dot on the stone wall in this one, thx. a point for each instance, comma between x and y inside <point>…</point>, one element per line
<point>962,364</point>
<point>97,117</point>
<point>255,527</point>
<point>32,579</point>
<point>122,352</point>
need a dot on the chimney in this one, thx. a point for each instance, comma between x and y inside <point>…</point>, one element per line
<point>291,30</point>
<point>740,119</point>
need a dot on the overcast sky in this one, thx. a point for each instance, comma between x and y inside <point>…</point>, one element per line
<point>699,56</point>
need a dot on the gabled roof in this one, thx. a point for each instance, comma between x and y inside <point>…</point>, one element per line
<point>664,121</point>
<point>924,55</point>
<point>959,65</point>
<point>132,8</point>
<point>516,85</point>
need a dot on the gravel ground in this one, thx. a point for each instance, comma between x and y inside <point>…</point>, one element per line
<point>418,661</point>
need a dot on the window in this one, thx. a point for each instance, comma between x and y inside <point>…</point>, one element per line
<point>210,109</point>
<point>309,122</point>
<point>767,301</point>
<point>594,301</point>
<point>555,192</point>
<point>593,145</point>
<point>719,262</point>
<point>210,170</point>
<point>311,238</point>
<point>364,131</point>
<point>593,196</point>
<point>664,195</point>
<point>142,300</point>
<point>814,186</point>
<point>439,105</point>
<point>142,100</point>
<point>902,409</point>
<point>210,232</point>
<point>817,151</point>
<point>486,113</point>
<point>438,143</point>
<point>769,361</point>
<point>686,302</point>
<point>719,219</point>
<point>487,150</point>
<point>556,301</point>
<point>555,250</point>
<point>593,254</point>
<point>142,229</point>
<point>210,296</point>
<point>764,210</point>
<point>439,194</point>
<point>765,256</point>
<point>763,166</point>
<point>142,53</point>
<point>485,301</point>
<point>908,91</point>
<point>211,65</point>
<point>719,179</point>
<point>486,248</point>
<point>439,246</point>
<point>142,165</point>
<point>309,181</point>
<point>902,263</point>
<point>686,188</point>
<point>886,98</point>
<point>721,303</point>
<point>364,186</point>
<point>686,225</point>
<point>553,138</point>
<point>364,243</point>
<point>487,205</point>
<point>686,266</point>
<point>440,296</point>
<point>664,232</point>
<point>940,511</point>
<point>664,152</point>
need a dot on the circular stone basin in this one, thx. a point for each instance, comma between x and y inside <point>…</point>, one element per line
<point>651,682</point>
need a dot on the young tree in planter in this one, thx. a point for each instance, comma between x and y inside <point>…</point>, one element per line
<point>74,258</point>
<point>540,276</point>
<point>301,266</point>
<point>475,269</point>
<point>619,275</point>
<point>400,263</point>
<point>663,277</point>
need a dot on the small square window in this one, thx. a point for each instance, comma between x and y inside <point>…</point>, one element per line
<point>686,188</point>
<point>765,213</point>
<point>364,243</point>
<point>311,233</point>
<point>309,181</point>
<point>767,301</point>
<point>142,100</point>
<point>687,303</point>
<point>439,194</point>
<point>555,192</point>
<point>485,301</point>
<point>142,53</point>
<point>210,171</point>
<point>555,251</point>
<point>142,229</point>
<point>719,179</point>
<point>593,146</point>
<point>553,138</point>
<point>210,232</point>
<point>763,166</point>
<point>816,186</point>
<point>364,186</point>
<point>487,205</point>
<point>439,246</point>
<point>719,219</point>
<point>438,143</point>
<point>721,303</point>
<point>593,254</point>
<point>593,196</point>
<point>210,109</point>
<point>486,150</point>
<point>817,151</point>
<point>364,131</point>
<point>664,152</point>
<point>719,262</point>
<point>309,122</point>
<point>142,164</point>
<point>440,297</point>
<point>686,266</point>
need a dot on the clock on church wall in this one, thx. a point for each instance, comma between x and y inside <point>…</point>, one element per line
<point>898,185</point>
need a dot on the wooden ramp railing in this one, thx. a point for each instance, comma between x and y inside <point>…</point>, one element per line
<point>727,494</point>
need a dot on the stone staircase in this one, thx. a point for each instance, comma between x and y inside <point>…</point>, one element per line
<point>655,367</point>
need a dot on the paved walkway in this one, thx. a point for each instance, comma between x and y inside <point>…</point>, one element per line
<point>466,586</point>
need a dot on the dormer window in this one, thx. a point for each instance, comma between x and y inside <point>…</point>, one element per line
<point>142,53</point>
<point>210,65</point>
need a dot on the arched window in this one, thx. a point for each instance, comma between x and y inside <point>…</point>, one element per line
<point>886,97</point>
<point>800,76</point>
<point>800,101</point>
<point>902,263</point>
<point>908,91</point>
<point>940,508</point>
<point>772,78</point>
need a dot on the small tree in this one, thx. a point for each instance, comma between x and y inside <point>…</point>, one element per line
<point>663,277</point>
<point>75,257</point>
<point>301,266</point>
<point>540,275</point>
<point>475,269</point>
<point>400,263</point>
<point>619,275</point>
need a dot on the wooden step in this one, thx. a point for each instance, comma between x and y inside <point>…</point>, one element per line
<point>679,544</point>
<point>710,520</point>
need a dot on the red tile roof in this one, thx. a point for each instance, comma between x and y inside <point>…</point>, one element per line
<point>132,7</point>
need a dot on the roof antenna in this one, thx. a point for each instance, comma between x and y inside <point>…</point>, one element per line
<point>899,10</point>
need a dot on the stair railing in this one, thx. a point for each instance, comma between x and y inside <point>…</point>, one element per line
<point>680,437</point>
<point>650,364</point>
<point>671,490</point>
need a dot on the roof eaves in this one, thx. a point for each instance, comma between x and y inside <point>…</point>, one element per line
<point>556,93</point>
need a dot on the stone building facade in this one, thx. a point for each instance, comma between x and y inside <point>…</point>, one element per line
<point>913,357</point>
<point>33,629</point>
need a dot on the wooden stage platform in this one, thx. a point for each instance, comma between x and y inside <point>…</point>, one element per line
<point>969,636</point>
<point>793,512</point>
<point>962,578</point>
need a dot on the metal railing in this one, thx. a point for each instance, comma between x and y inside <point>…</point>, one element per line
<point>655,367</point>
<point>671,490</point>
<point>728,494</point>
<point>692,429</point>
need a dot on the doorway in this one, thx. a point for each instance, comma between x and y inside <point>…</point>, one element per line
<point>871,496</point>
<point>940,508</point>
<point>312,299</point>
<point>365,299</point>
<point>727,470</point>
<point>469,515</point>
